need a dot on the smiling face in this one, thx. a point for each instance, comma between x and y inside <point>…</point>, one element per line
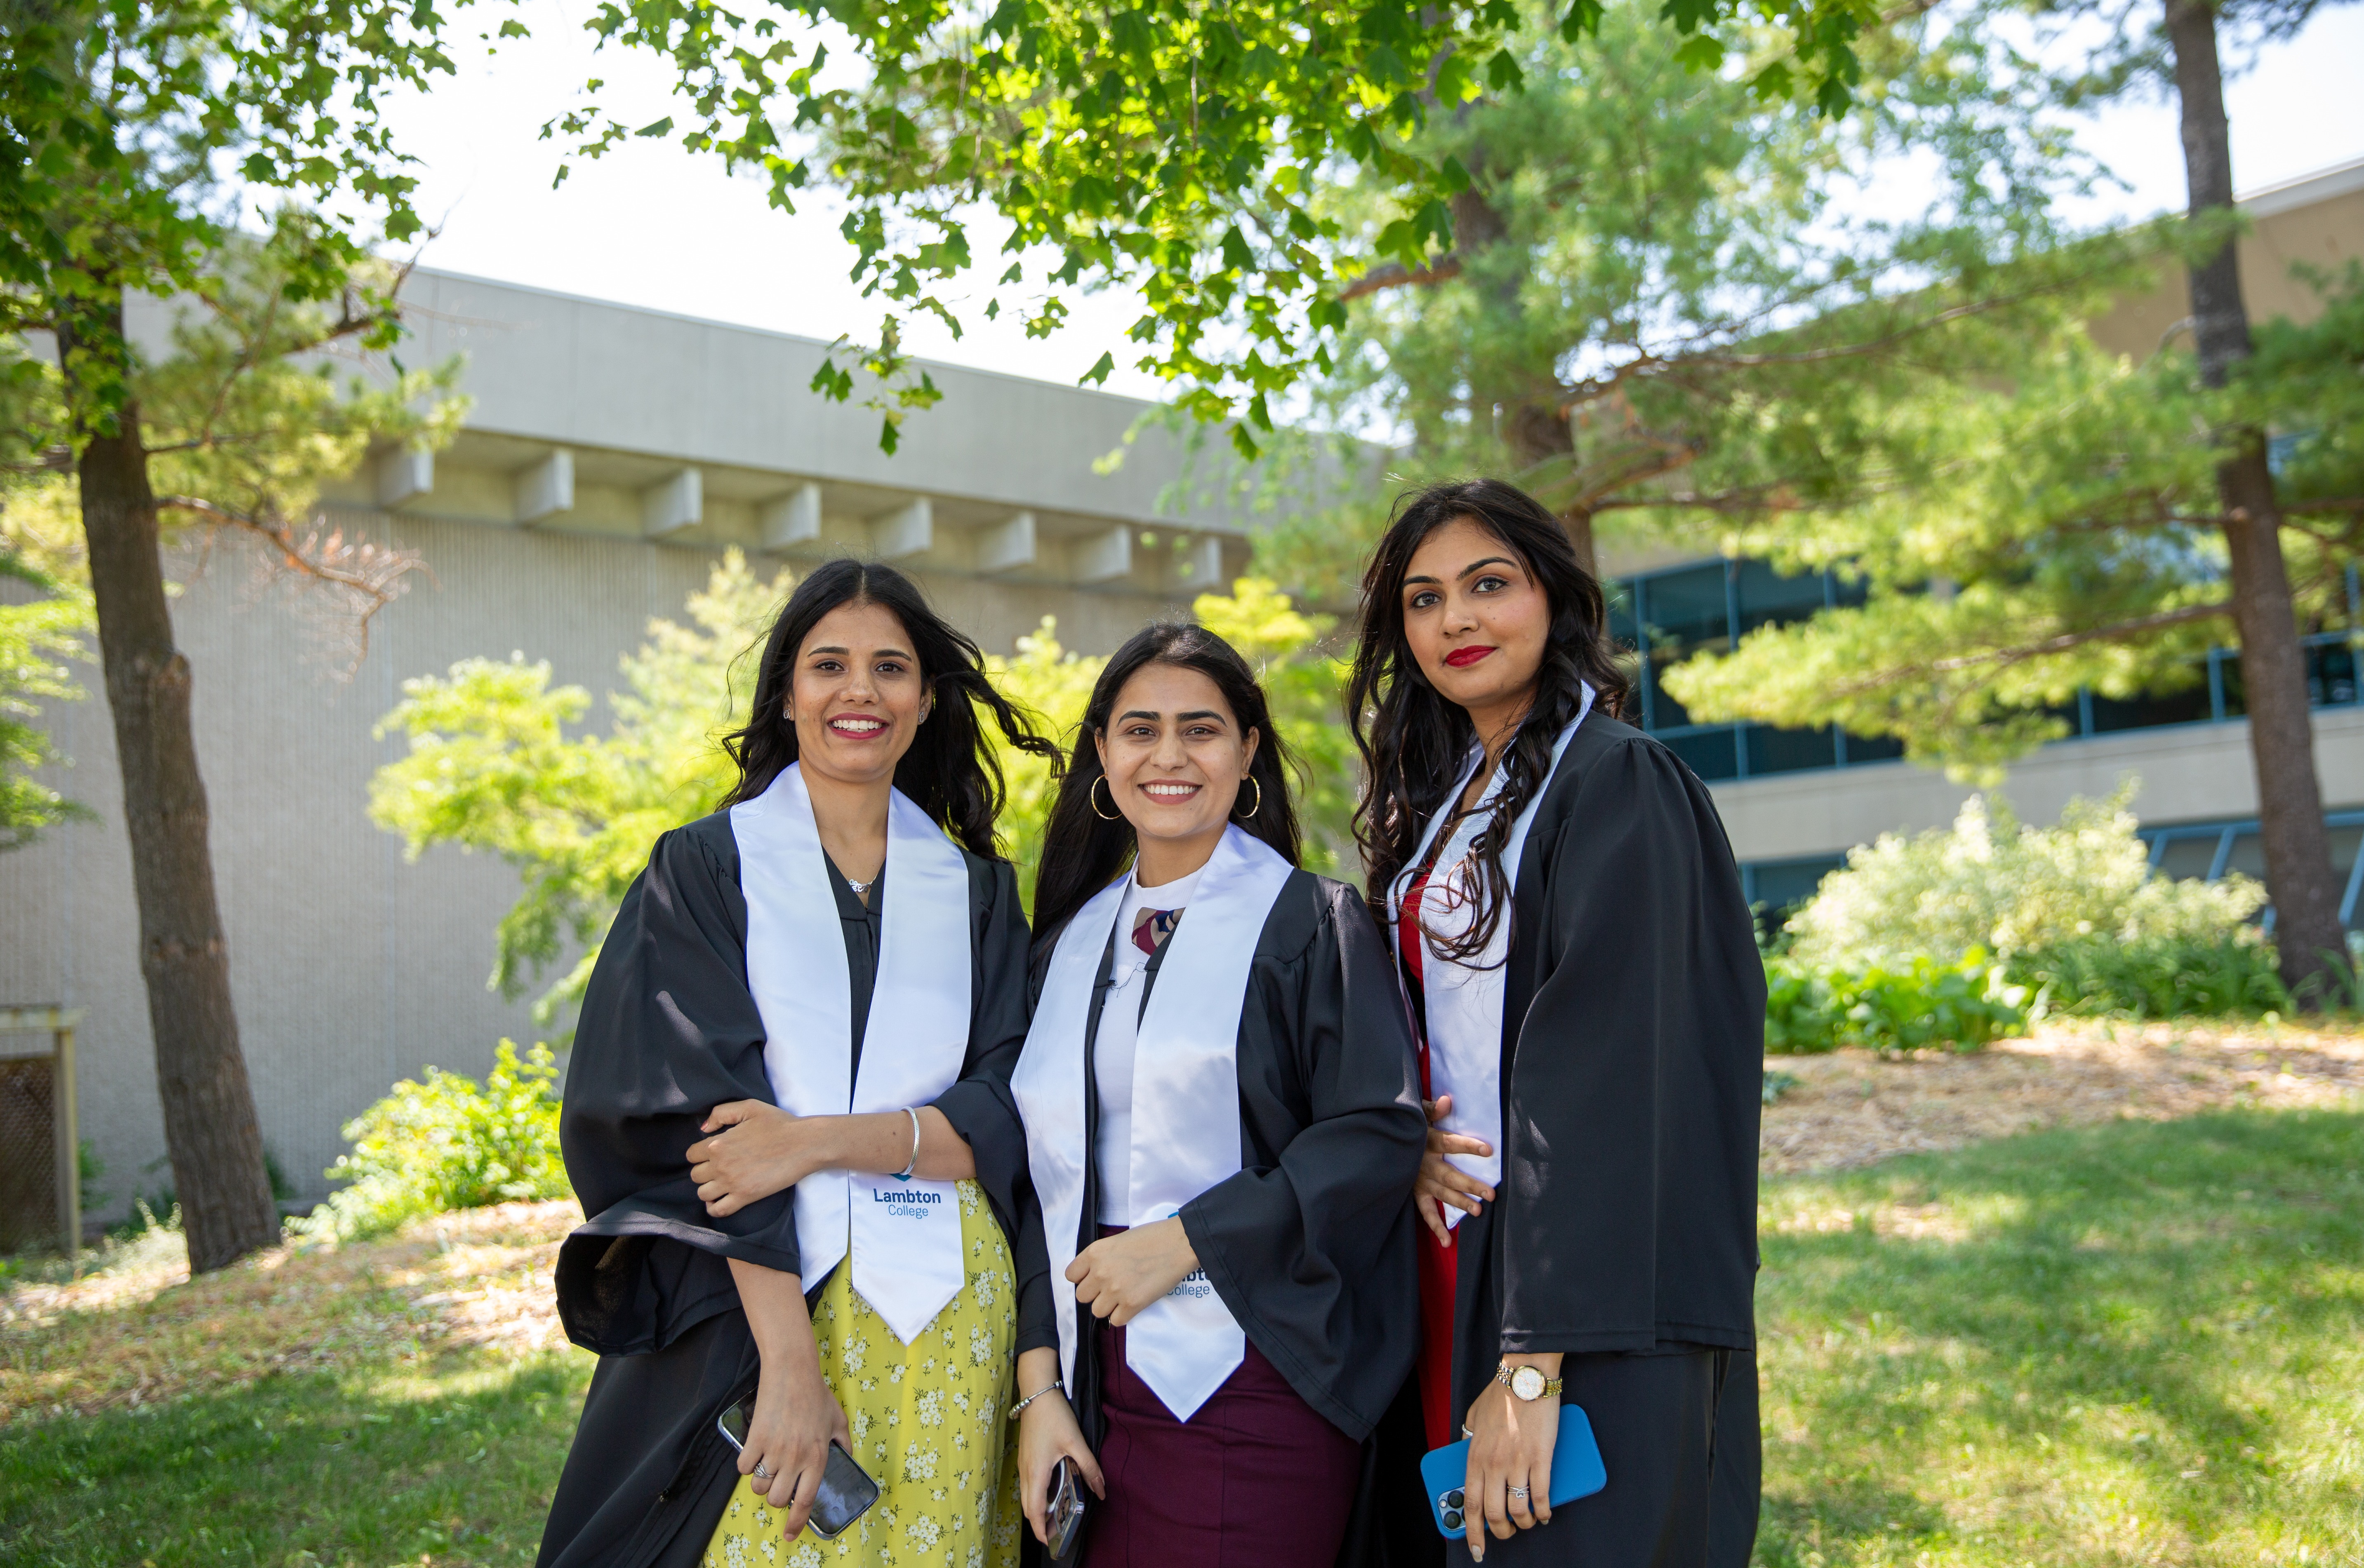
<point>858,696</point>
<point>1476,622</point>
<point>1175,756</point>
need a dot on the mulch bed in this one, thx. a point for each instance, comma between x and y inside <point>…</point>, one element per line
<point>1853,1107</point>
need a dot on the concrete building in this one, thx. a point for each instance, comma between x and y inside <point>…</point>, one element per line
<point>610,457</point>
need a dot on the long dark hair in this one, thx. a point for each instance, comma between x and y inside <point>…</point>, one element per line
<point>949,772</point>
<point>1082,851</point>
<point>1415,742</point>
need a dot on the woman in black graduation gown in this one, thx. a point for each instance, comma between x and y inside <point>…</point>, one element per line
<point>1583,966</point>
<point>1222,1127</point>
<point>739,1149</point>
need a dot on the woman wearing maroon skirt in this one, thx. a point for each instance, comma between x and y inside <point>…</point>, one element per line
<point>1217,1303</point>
<point>1583,967</point>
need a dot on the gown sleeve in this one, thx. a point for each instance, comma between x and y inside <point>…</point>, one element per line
<point>980,1106</point>
<point>1305,1245</point>
<point>1030,1247</point>
<point>669,1031</point>
<point>1627,1213</point>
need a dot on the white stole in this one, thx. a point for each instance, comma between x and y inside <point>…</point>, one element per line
<point>904,1236</point>
<point>1465,1001</point>
<point>1185,1104</point>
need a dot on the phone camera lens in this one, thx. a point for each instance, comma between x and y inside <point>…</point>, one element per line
<point>1453,1499</point>
<point>1452,1518</point>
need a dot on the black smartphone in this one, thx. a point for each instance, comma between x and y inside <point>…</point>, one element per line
<point>1064,1515</point>
<point>846,1489</point>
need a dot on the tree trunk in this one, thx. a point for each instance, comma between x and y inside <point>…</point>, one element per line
<point>2273,666</point>
<point>210,1131</point>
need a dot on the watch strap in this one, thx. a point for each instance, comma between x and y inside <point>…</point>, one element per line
<point>1504,1372</point>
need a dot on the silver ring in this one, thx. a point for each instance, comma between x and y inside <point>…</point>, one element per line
<point>761,1473</point>
<point>1518,1494</point>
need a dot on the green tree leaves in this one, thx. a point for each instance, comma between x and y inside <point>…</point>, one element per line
<point>493,767</point>
<point>1170,146</point>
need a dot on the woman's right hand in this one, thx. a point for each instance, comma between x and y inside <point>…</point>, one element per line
<point>1047,1433</point>
<point>796,1418</point>
<point>1441,1182</point>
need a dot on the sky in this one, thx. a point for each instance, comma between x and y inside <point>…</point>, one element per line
<point>654,225</point>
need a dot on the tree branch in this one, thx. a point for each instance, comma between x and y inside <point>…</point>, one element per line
<point>2069,640</point>
<point>366,576</point>
<point>1395,275</point>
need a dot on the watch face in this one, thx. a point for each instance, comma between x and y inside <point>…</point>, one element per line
<point>1527,1383</point>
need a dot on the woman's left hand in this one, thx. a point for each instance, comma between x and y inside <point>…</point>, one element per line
<point>1510,1445</point>
<point>757,1150</point>
<point>1119,1276</point>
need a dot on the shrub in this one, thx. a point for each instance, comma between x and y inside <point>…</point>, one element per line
<point>448,1143</point>
<point>2157,977</point>
<point>1891,1008</point>
<point>1993,883</point>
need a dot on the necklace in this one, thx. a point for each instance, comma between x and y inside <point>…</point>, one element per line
<point>860,889</point>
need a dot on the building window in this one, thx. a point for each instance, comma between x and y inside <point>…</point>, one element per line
<point>1660,618</point>
<point>2204,852</point>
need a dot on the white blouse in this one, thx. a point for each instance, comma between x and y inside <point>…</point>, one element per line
<point>1112,1051</point>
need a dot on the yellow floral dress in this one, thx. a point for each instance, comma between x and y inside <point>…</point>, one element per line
<point>928,1422</point>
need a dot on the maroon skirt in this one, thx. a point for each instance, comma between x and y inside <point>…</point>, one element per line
<point>1255,1479</point>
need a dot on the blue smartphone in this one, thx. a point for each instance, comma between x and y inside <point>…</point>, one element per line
<point>1576,1471</point>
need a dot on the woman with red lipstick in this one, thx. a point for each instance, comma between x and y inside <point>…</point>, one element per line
<point>1583,972</point>
<point>787,1119</point>
<point>1216,1300</point>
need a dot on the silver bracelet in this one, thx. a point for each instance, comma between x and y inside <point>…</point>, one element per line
<point>1019,1409</point>
<point>905,1175</point>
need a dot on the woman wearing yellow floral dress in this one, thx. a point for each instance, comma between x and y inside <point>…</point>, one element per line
<point>787,1119</point>
<point>926,1421</point>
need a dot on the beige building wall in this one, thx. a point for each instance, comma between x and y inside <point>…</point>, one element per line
<point>2314,221</point>
<point>2189,773</point>
<point>352,967</point>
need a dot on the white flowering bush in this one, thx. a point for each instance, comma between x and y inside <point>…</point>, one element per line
<point>1991,882</point>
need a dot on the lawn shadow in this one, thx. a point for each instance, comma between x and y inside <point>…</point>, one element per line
<point>2149,1322</point>
<point>449,1460</point>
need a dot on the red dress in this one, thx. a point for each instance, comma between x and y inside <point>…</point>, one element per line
<point>1436,1260</point>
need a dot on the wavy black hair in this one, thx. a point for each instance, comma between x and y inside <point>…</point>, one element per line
<point>1082,851</point>
<point>949,772</point>
<point>1415,742</point>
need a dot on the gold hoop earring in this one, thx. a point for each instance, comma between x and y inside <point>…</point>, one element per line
<point>1259,795</point>
<point>1091,795</point>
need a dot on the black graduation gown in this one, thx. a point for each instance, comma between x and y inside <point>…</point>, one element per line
<point>1311,1244</point>
<point>669,1031</point>
<point>1625,1229</point>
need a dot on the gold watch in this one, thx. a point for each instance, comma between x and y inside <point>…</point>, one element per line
<point>1527,1383</point>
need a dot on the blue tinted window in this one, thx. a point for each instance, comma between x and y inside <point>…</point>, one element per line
<point>1862,749</point>
<point>1685,609</point>
<point>1766,599</point>
<point>1666,713</point>
<point>1710,753</point>
<point>2189,705</point>
<point>1781,886</point>
<point>2330,673</point>
<point>1772,750</point>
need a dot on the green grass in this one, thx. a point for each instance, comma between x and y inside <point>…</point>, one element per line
<point>2132,1344</point>
<point>2137,1343</point>
<point>451,1462</point>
